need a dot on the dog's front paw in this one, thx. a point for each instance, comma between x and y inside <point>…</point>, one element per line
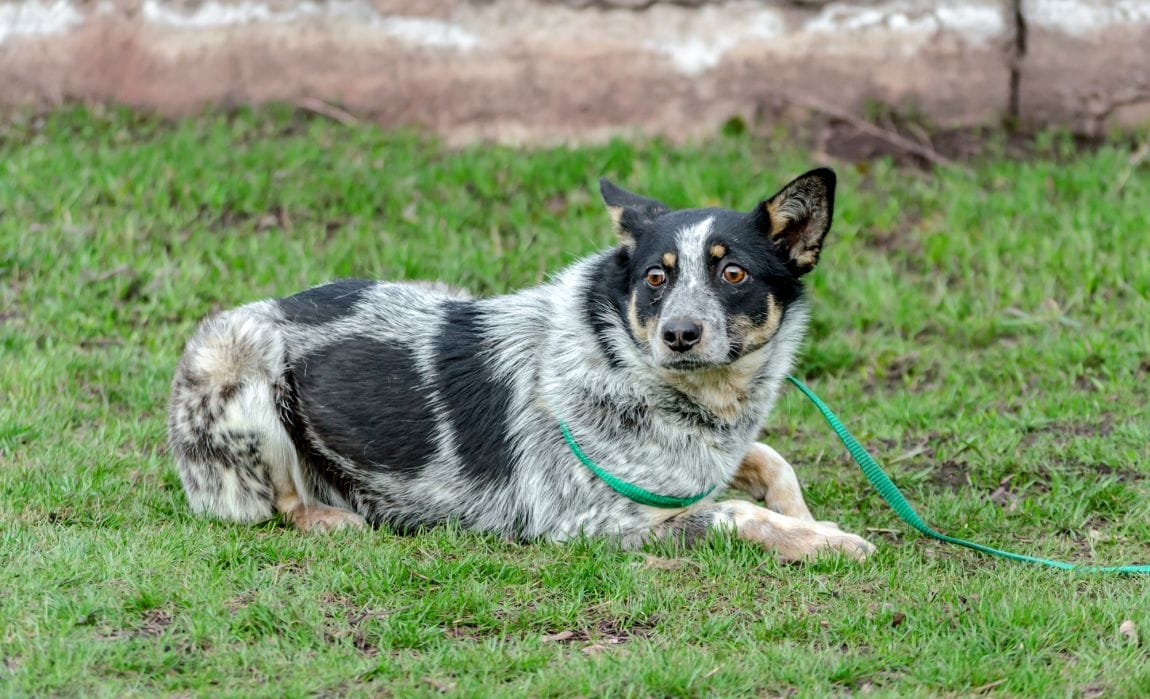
<point>320,518</point>
<point>817,538</point>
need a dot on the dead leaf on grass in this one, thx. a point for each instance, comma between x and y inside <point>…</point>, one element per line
<point>441,686</point>
<point>988,686</point>
<point>557,637</point>
<point>1004,495</point>
<point>890,533</point>
<point>1129,631</point>
<point>156,621</point>
<point>92,276</point>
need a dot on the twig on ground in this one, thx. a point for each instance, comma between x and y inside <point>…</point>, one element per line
<point>1099,107</point>
<point>895,139</point>
<point>318,106</point>
<point>108,274</point>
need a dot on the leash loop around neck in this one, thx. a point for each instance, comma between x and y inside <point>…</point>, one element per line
<point>628,490</point>
<point>898,502</point>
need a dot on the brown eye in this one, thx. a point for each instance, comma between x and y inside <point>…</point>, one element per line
<point>734,274</point>
<point>656,276</point>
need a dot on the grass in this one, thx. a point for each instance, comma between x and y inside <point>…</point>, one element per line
<point>984,332</point>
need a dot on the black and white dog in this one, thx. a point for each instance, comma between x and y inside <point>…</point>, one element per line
<point>412,404</point>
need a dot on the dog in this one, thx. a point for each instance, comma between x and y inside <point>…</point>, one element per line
<point>618,399</point>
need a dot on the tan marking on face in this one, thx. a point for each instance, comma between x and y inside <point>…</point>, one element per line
<point>669,260</point>
<point>718,251</point>
<point>759,335</point>
<point>753,336</point>
<point>640,331</point>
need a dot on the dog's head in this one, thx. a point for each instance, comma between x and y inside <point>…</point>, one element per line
<point>705,287</point>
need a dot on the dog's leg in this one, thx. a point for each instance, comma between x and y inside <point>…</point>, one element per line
<point>792,538</point>
<point>766,476</point>
<point>315,516</point>
<point>236,459</point>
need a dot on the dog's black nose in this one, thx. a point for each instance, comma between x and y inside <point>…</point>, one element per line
<point>681,334</point>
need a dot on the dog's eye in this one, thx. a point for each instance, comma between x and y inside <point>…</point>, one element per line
<point>734,274</point>
<point>656,276</point>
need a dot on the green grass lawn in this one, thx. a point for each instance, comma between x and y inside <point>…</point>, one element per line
<point>984,332</point>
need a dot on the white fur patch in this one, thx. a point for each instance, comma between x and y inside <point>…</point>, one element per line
<point>693,253</point>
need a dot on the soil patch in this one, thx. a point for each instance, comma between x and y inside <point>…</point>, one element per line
<point>951,475</point>
<point>847,141</point>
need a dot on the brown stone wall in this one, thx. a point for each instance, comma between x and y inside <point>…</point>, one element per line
<point>544,70</point>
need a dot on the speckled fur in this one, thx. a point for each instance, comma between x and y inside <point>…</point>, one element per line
<point>262,423</point>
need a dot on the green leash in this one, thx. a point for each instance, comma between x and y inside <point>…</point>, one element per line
<point>886,488</point>
<point>628,490</point>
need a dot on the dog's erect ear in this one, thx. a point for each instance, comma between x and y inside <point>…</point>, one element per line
<point>629,212</point>
<point>798,218</point>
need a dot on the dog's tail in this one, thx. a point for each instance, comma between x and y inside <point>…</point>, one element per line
<point>236,458</point>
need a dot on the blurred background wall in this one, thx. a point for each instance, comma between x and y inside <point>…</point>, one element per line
<point>547,70</point>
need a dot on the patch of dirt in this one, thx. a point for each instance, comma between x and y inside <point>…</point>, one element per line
<point>1092,691</point>
<point>240,601</point>
<point>227,218</point>
<point>1065,430</point>
<point>951,475</point>
<point>605,634</point>
<point>356,615</point>
<point>1006,495</point>
<point>910,142</point>
<point>155,622</point>
<point>1093,469</point>
<point>1123,474</point>
<point>901,373</point>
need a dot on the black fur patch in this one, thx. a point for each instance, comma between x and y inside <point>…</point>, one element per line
<point>365,400</point>
<point>322,468</point>
<point>324,304</point>
<point>477,403</point>
<point>605,293</point>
